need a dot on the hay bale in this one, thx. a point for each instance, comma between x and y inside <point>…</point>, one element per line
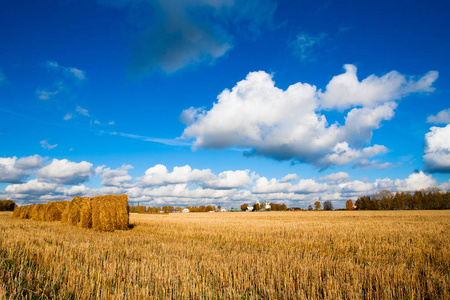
<point>16,212</point>
<point>72,214</point>
<point>85,213</point>
<point>110,213</point>
<point>38,212</point>
<point>25,212</point>
<point>54,210</point>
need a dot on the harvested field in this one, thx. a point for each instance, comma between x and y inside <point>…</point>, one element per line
<point>272,255</point>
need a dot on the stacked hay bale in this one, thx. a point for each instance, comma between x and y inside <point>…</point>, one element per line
<point>102,213</point>
<point>38,212</point>
<point>78,212</point>
<point>110,213</point>
<point>54,210</point>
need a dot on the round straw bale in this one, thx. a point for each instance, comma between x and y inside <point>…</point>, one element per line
<point>85,212</point>
<point>110,212</point>
<point>38,212</point>
<point>54,210</point>
<point>16,212</point>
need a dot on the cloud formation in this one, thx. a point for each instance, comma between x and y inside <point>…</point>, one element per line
<point>437,150</point>
<point>62,179</point>
<point>443,117</point>
<point>66,172</point>
<point>192,31</point>
<point>289,124</point>
<point>13,170</point>
<point>47,146</point>
<point>304,45</point>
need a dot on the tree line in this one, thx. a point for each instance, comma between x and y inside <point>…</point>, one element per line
<point>431,198</point>
<point>7,205</point>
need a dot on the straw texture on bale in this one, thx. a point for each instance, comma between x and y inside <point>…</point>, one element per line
<point>54,210</point>
<point>110,213</point>
<point>78,212</point>
<point>102,213</point>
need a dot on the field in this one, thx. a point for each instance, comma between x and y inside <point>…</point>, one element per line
<point>266,255</point>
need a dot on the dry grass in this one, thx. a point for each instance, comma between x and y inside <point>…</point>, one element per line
<point>274,255</point>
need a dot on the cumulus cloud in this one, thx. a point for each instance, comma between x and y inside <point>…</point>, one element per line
<point>66,172</point>
<point>414,182</point>
<point>47,146</point>
<point>192,31</point>
<point>33,187</point>
<point>336,177</point>
<point>30,162</point>
<point>229,180</point>
<point>288,124</point>
<point>443,117</point>
<point>304,186</point>
<point>117,177</point>
<point>437,150</point>
<point>345,90</point>
<point>159,175</point>
<point>8,171</point>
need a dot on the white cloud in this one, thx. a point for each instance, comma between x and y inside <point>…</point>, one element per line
<point>82,111</point>
<point>45,95</point>
<point>46,145</point>
<point>305,44</point>
<point>30,162</point>
<point>289,177</point>
<point>229,180</point>
<point>77,190</point>
<point>414,182</point>
<point>33,187</point>
<point>346,91</point>
<point>304,186</point>
<point>159,175</point>
<point>111,123</point>
<point>336,177</point>
<point>68,72</point>
<point>437,150</point>
<point>443,117</point>
<point>191,32</point>
<point>288,124</point>
<point>118,177</point>
<point>66,172</point>
<point>68,116</point>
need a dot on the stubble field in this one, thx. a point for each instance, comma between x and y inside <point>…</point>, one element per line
<point>267,255</point>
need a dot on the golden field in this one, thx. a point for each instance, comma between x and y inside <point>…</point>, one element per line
<point>264,255</point>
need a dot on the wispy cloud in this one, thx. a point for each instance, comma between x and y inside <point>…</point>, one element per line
<point>47,146</point>
<point>169,142</point>
<point>305,45</point>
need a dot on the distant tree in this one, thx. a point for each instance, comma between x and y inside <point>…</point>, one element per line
<point>219,208</point>
<point>210,208</point>
<point>317,205</point>
<point>256,207</point>
<point>328,205</point>
<point>244,207</point>
<point>7,205</point>
<point>178,208</point>
<point>310,207</point>
<point>141,209</point>
<point>349,204</point>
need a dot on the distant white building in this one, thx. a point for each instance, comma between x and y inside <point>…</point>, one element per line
<point>249,208</point>
<point>185,210</point>
<point>223,210</point>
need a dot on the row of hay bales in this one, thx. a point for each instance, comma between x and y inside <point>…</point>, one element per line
<point>102,213</point>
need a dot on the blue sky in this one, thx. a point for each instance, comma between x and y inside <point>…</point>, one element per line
<point>223,102</point>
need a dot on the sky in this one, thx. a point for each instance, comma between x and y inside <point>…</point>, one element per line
<point>223,102</point>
